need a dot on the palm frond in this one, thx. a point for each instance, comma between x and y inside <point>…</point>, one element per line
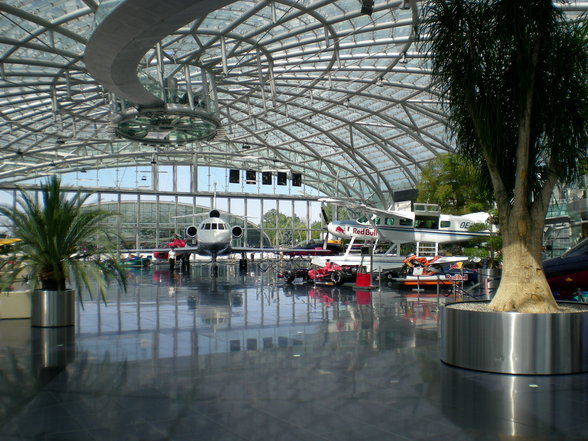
<point>52,233</point>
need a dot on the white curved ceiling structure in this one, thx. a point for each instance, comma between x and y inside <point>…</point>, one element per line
<point>311,86</point>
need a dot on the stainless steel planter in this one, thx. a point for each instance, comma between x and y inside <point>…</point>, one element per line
<point>515,343</point>
<point>52,347</point>
<point>53,308</point>
<point>489,281</point>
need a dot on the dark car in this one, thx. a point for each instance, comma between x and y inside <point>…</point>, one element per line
<point>315,247</point>
<point>568,273</point>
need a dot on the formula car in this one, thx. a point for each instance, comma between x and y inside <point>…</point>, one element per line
<point>330,273</point>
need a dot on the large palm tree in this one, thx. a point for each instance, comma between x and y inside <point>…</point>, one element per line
<point>512,76</point>
<point>55,232</point>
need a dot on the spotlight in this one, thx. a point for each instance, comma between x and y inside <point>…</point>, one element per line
<point>367,7</point>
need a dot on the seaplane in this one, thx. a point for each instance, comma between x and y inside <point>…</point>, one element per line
<point>397,225</point>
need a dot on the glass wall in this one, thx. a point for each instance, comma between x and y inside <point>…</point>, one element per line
<point>148,221</point>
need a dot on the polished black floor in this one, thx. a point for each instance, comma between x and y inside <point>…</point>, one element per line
<point>243,357</point>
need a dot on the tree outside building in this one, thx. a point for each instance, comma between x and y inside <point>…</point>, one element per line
<point>455,185</point>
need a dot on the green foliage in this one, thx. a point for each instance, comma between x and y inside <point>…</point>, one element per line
<point>455,185</point>
<point>512,76</point>
<point>54,234</point>
<point>513,81</point>
<point>315,232</point>
<point>483,247</point>
<point>278,228</point>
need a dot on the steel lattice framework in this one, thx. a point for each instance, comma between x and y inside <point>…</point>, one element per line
<point>311,86</point>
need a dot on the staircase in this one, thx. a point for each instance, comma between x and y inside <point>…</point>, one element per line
<point>427,249</point>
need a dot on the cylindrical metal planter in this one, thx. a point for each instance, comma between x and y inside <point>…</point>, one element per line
<point>53,308</point>
<point>515,343</point>
<point>489,281</point>
<point>52,347</point>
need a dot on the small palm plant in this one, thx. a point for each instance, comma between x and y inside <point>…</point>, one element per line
<point>53,232</point>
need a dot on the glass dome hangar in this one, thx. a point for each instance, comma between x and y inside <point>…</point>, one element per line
<point>314,87</point>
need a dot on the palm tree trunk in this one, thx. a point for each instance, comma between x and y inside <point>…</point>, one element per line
<point>523,286</point>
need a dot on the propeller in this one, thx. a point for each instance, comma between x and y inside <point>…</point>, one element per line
<point>325,216</point>
<point>326,219</point>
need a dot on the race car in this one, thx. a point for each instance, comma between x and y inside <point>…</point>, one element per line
<point>330,273</point>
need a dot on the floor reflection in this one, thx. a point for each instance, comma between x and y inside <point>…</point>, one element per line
<point>243,356</point>
<point>514,407</point>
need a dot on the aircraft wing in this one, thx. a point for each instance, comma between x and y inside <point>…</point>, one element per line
<point>288,251</point>
<point>191,249</point>
<point>160,250</point>
<point>363,207</point>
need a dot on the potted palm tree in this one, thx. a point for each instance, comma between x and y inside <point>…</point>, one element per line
<point>513,80</point>
<point>53,230</point>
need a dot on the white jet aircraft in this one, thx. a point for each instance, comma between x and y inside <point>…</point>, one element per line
<point>214,237</point>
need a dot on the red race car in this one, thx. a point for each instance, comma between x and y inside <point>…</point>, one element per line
<point>330,273</point>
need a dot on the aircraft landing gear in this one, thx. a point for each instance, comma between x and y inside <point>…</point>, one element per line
<point>243,262</point>
<point>214,269</point>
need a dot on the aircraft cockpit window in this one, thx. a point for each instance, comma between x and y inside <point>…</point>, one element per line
<point>389,221</point>
<point>363,220</point>
<point>222,227</point>
<point>445,224</point>
<point>214,226</point>
<point>405,222</point>
<point>376,220</point>
<point>207,226</point>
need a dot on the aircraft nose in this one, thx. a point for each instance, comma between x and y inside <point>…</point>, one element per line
<point>335,228</point>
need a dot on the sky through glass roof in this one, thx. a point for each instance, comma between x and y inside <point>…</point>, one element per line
<point>313,87</point>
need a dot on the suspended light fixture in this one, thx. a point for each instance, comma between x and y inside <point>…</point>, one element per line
<point>367,7</point>
<point>171,124</point>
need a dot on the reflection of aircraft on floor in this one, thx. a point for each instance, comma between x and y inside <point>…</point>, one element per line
<point>213,237</point>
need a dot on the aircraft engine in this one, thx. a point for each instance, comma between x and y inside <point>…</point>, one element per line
<point>237,231</point>
<point>191,231</point>
<point>214,213</point>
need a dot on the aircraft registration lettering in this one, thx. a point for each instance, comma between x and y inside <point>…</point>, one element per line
<point>365,231</point>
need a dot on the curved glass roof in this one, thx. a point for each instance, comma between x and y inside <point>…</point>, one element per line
<point>312,86</point>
